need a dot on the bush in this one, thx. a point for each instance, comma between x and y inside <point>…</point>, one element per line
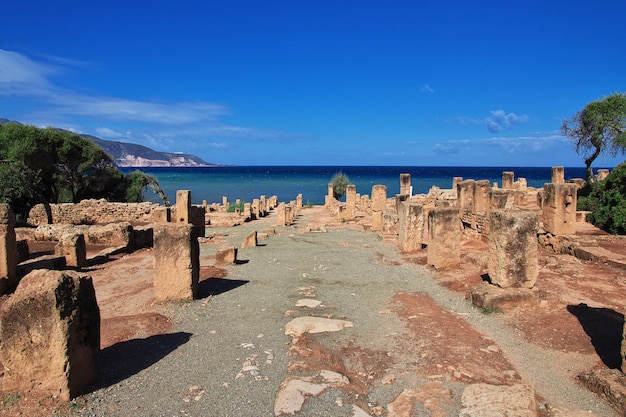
<point>340,183</point>
<point>234,207</point>
<point>607,202</point>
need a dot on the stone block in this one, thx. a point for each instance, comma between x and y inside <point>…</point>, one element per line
<point>162,215</point>
<point>513,249</point>
<point>485,295</point>
<point>602,174</point>
<point>22,250</point>
<point>411,226</point>
<point>465,191</point>
<point>50,334</point>
<point>559,208</point>
<point>226,255</point>
<point>250,241</point>
<point>444,238</point>
<point>197,217</point>
<point>377,221</point>
<point>500,199</point>
<point>73,247</point>
<point>508,178</point>
<point>176,262</point>
<point>114,234</point>
<point>281,215</point>
<point>405,184</point>
<point>379,197</point>
<point>8,250</point>
<point>350,212</point>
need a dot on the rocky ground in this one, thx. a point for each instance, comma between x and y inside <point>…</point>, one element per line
<point>396,337</point>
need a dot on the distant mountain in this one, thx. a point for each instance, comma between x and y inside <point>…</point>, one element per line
<point>133,155</point>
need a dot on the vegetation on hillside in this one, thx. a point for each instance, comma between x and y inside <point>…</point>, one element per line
<point>56,166</point>
<point>597,129</point>
<point>340,183</point>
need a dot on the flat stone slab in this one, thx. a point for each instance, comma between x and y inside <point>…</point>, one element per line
<point>608,383</point>
<point>486,295</point>
<point>308,302</point>
<point>484,400</point>
<point>301,325</point>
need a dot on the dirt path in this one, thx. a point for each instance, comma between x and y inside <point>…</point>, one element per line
<point>413,342</point>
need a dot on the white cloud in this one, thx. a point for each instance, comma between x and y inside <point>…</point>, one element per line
<point>503,145</point>
<point>21,76</point>
<point>500,118</point>
<point>107,133</point>
<point>425,88</point>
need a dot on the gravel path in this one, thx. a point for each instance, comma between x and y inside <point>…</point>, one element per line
<point>228,354</point>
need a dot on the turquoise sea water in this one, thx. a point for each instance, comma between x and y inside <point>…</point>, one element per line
<point>250,182</point>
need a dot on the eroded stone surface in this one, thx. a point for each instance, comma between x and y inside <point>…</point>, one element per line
<point>293,393</point>
<point>301,325</point>
<point>484,400</point>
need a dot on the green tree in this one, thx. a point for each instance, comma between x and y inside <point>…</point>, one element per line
<point>340,182</point>
<point>599,128</point>
<point>607,202</point>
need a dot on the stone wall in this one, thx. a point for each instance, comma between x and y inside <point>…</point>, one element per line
<point>93,212</point>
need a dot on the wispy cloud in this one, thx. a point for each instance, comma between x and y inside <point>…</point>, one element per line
<point>498,120</point>
<point>425,88</point>
<point>503,145</point>
<point>162,124</point>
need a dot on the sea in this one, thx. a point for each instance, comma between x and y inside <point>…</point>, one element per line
<point>249,182</point>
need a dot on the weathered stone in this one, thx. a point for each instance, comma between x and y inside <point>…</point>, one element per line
<point>405,184</point>
<point>8,250</point>
<point>162,215</point>
<point>379,197</point>
<point>602,174</point>
<point>281,215</point>
<point>22,250</point>
<point>444,238</point>
<point>176,262</point>
<point>411,226</point>
<point>559,208</point>
<point>50,334</point>
<point>292,394</point>
<point>73,247</point>
<point>41,262</point>
<point>508,177</point>
<point>197,217</point>
<point>250,241</point>
<point>183,206</point>
<point>465,191</point>
<point>114,234</point>
<point>610,384</point>
<point>558,175</point>
<point>485,295</point>
<point>93,212</point>
<point>500,199</point>
<point>513,252</point>
<point>484,400</point>
<point>301,325</point>
<point>350,212</point>
<point>226,255</point>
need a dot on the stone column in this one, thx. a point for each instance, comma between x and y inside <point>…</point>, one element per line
<point>513,249</point>
<point>455,181</point>
<point>183,206</point>
<point>264,206</point>
<point>176,262</point>
<point>379,202</point>
<point>465,200</point>
<point>602,174</point>
<point>558,175</point>
<point>508,178</point>
<point>350,213</point>
<point>8,250</point>
<point>330,196</point>
<point>444,238</point>
<point>225,202</point>
<point>405,184</point>
<point>411,226</point>
<point>559,208</point>
<point>50,334</point>
<point>299,201</point>
<point>281,219</point>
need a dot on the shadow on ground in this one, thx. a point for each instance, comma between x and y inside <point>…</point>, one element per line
<point>216,286</point>
<point>605,328</point>
<point>124,359</point>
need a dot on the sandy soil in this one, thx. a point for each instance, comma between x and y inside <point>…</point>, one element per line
<point>441,345</point>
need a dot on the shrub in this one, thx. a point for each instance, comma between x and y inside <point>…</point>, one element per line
<point>233,207</point>
<point>607,202</point>
<point>340,183</point>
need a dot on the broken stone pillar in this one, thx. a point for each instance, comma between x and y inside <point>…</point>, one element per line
<point>444,238</point>
<point>254,209</point>
<point>226,255</point>
<point>197,216</point>
<point>183,206</point>
<point>350,213</point>
<point>72,247</point>
<point>299,201</point>
<point>330,196</point>
<point>250,241</point>
<point>455,181</point>
<point>379,202</point>
<point>482,206</point>
<point>50,334</point>
<point>411,226</point>
<point>602,174</point>
<point>8,250</point>
<point>264,205</point>
<point>176,262</point>
<point>281,218</point>
<point>465,200</point>
<point>405,184</point>
<point>500,199</point>
<point>225,201</point>
<point>508,178</point>
<point>162,215</point>
<point>288,214</point>
<point>513,253</point>
<point>558,175</point>
<point>559,208</point>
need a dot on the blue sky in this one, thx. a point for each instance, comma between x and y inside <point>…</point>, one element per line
<point>481,83</point>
